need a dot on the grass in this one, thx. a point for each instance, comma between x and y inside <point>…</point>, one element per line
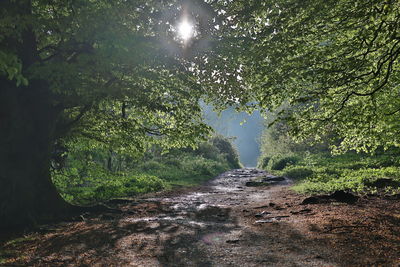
<point>162,173</point>
<point>92,175</point>
<point>187,170</point>
<point>323,173</point>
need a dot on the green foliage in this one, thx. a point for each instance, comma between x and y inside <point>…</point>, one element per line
<point>117,78</point>
<point>263,162</point>
<point>278,149</point>
<point>113,77</point>
<point>321,66</point>
<point>100,185</point>
<point>350,171</point>
<point>316,170</point>
<point>94,173</point>
<point>277,142</point>
<point>280,163</point>
<point>354,180</point>
<point>192,170</point>
<point>225,147</point>
<point>11,67</point>
<point>208,150</point>
<point>125,186</point>
<point>193,166</point>
<point>297,173</point>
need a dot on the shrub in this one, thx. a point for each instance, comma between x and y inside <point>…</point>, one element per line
<point>107,191</point>
<point>88,178</point>
<point>143,184</point>
<point>263,164</point>
<point>205,167</point>
<point>151,165</point>
<point>225,146</point>
<point>298,173</point>
<point>278,163</point>
<point>208,151</point>
<point>173,162</point>
<point>348,179</point>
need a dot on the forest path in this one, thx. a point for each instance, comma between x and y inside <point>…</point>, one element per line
<point>223,223</point>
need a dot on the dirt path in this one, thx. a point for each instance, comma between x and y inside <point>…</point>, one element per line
<point>224,223</point>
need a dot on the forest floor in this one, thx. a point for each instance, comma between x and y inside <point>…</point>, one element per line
<point>223,223</point>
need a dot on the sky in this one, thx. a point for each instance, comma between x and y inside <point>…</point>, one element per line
<point>245,128</point>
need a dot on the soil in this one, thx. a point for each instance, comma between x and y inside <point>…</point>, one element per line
<point>223,223</point>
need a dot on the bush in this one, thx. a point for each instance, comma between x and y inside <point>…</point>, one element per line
<point>208,151</point>
<point>111,186</point>
<point>225,147</point>
<point>200,166</point>
<point>88,176</point>
<point>263,163</point>
<point>278,163</point>
<point>341,177</point>
<point>173,162</point>
<point>144,184</point>
<point>105,192</point>
<point>324,173</point>
<point>298,173</point>
<point>151,166</point>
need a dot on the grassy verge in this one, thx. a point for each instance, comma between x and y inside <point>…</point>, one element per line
<point>323,173</point>
<point>86,179</point>
<point>186,170</point>
<point>150,176</point>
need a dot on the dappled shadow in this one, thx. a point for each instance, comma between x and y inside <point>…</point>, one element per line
<point>131,240</point>
<point>373,241</point>
<point>223,224</point>
<point>268,245</point>
<point>189,246</point>
<point>199,240</point>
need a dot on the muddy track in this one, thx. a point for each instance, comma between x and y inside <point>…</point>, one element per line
<point>223,223</point>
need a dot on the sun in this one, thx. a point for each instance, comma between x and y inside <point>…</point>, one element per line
<point>185,30</point>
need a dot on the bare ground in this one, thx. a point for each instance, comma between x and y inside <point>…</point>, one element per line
<point>223,223</point>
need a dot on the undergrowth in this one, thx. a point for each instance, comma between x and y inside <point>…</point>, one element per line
<point>88,177</point>
<point>324,173</point>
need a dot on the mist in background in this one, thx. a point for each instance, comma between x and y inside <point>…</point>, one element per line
<point>245,130</point>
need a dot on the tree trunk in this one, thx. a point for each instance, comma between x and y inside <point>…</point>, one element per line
<point>27,122</point>
<point>109,160</point>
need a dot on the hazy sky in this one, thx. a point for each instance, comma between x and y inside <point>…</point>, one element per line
<point>246,128</point>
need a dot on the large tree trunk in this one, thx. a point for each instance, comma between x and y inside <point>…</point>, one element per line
<point>27,122</point>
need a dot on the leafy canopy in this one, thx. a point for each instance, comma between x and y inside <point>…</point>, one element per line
<point>113,69</point>
<point>117,72</point>
<point>323,66</point>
